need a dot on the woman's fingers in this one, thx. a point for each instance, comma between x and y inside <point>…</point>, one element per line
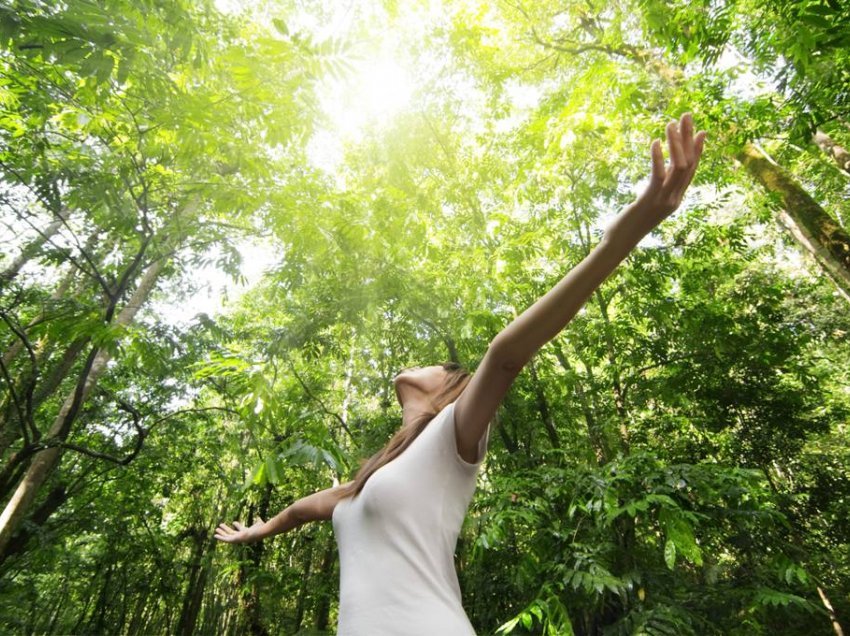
<point>225,533</point>
<point>699,142</point>
<point>695,152</point>
<point>658,172</point>
<point>681,184</point>
<point>677,158</point>
<point>686,130</point>
<point>667,184</point>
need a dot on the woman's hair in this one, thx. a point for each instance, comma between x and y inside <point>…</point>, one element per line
<point>456,380</point>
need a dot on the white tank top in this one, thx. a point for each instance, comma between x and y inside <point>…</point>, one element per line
<point>397,540</point>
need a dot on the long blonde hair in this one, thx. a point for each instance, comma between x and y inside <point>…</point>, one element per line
<point>456,380</point>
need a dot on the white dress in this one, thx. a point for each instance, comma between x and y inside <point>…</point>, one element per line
<point>397,540</point>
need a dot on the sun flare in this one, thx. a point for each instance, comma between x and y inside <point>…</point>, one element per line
<point>377,90</point>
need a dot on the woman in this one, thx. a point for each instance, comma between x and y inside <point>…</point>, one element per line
<point>397,535</point>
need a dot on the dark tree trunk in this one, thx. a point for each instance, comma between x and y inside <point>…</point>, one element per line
<point>135,625</point>
<point>197,577</point>
<point>300,605</point>
<point>619,395</point>
<point>55,498</point>
<point>595,434</point>
<point>323,607</point>
<point>543,408</point>
<point>99,614</point>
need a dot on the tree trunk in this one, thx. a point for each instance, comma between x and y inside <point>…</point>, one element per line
<point>136,626</point>
<point>543,407</point>
<point>45,460</point>
<point>300,604</point>
<point>197,581</point>
<point>838,153</point>
<point>85,610</point>
<point>51,504</point>
<point>30,250</point>
<point>17,346</point>
<point>24,384</point>
<point>10,426</point>
<point>619,395</point>
<point>836,626</point>
<point>251,598</point>
<point>61,599</point>
<point>98,619</point>
<point>205,541</point>
<point>808,222</point>
<point>323,608</point>
<point>594,436</point>
<point>509,442</point>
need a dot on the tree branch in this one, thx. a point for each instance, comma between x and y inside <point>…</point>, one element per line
<point>14,395</point>
<point>30,387</point>
<point>313,397</point>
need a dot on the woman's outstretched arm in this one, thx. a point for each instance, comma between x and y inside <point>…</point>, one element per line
<point>316,507</point>
<point>515,345</point>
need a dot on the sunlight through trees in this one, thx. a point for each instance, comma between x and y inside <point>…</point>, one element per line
<point>225,226</point>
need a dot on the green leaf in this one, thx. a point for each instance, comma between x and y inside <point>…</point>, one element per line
<point>259,476</point>
<point>816,20</point>
<point>271,469</point>
<point>766,596</point>
<point>670,553</point>
<point>280,25</point>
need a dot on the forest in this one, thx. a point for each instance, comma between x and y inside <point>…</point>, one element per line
<point>226,225</point>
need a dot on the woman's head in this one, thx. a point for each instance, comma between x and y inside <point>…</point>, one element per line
<point>431,389</point>
<point>436,385</point>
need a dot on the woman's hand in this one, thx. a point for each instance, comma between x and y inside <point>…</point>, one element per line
<point>240,534</point>
<point>666,187</point>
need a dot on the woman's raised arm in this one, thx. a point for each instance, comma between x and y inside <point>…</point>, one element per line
<point>514,346</point>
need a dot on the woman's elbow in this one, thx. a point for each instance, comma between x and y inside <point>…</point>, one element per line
<point>504,356</point>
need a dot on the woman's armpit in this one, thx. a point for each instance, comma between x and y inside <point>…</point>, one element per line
<point>452,443</point>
